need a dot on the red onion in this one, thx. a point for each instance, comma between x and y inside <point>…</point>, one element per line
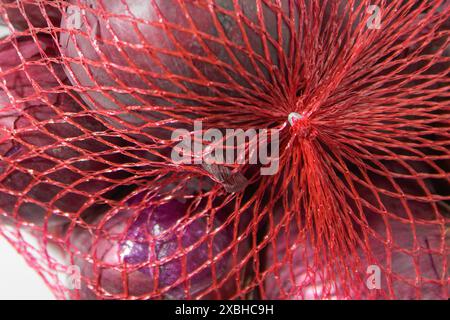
<point>301,278</point>
<point>298,273</point>
<point>28,14</point>
<point>25,76</point>
<point>29,105</point>
<point>151,66</point>
<point>28,76</point>
<point>148,246</point>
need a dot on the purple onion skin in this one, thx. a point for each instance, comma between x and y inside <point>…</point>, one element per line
<point>17,72</point>
<point>166,67</point>
<point>146,242</point>
<point>28,101</point>
<point>25,73</point>
<point>33,13</point>
<point>19,165</point>
<point>309,285</point>
<point>30,64</point>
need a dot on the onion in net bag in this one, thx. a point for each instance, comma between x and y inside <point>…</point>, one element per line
<point>357,91</point>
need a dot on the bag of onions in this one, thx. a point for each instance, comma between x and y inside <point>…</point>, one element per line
<point>348,197</point>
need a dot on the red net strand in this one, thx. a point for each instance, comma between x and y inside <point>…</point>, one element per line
<point>92,93</point>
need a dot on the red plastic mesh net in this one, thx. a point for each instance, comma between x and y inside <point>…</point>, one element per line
<point>91,92</point>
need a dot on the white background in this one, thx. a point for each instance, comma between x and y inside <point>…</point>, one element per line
<point>17,279</point>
